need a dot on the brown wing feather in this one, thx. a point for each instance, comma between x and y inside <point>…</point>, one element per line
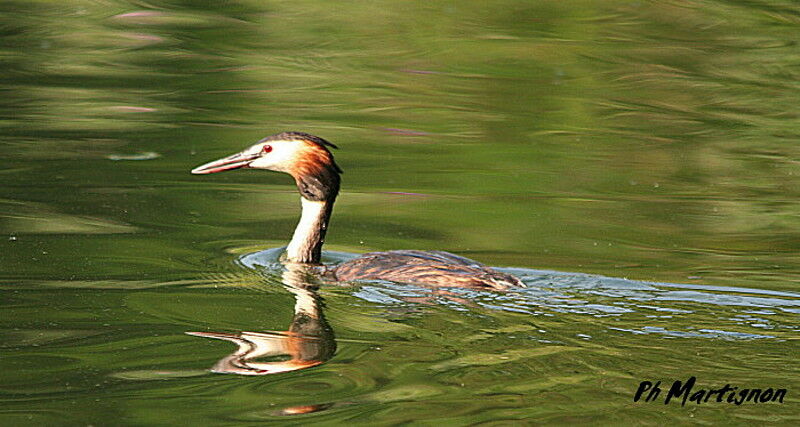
<point>436,268</point>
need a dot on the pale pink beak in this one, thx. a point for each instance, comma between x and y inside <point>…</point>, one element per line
<point>235,161</point>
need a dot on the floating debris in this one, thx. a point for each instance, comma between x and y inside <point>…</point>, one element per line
<point>132,109</point>
<point>149,155</point>
<point>139,14</point>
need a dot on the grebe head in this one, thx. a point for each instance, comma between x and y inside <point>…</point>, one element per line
<point>303,156</point>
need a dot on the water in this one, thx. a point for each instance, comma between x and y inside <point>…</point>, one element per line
<point>634,163</point>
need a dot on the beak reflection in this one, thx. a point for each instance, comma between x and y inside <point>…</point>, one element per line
<point>308,342</point>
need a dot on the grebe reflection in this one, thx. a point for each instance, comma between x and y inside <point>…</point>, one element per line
<point>308,342</point>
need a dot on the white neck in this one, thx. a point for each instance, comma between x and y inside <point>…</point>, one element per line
<point>306,244</point>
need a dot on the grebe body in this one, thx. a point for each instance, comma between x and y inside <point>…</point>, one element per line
<point>433,268</point>
<point>309,161</point>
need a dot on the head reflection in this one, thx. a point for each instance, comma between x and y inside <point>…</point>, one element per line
<point>308,342</point>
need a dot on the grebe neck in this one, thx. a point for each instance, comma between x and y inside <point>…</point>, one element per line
<point>306,244</point>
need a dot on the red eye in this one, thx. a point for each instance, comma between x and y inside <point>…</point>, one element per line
<point>267,148</point>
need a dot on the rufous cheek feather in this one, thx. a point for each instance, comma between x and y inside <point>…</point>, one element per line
<point>316,174</point>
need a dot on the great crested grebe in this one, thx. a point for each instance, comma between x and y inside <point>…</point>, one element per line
<point>307,159</point>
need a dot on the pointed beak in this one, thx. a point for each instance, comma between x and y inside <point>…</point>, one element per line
<point>236,161</point>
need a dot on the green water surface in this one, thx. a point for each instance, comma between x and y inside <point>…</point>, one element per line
<point>636,163</point>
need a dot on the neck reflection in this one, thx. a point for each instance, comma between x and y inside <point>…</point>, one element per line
<point>308,342</point>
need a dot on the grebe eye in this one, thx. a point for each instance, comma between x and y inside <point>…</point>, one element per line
<point>267,148</point>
